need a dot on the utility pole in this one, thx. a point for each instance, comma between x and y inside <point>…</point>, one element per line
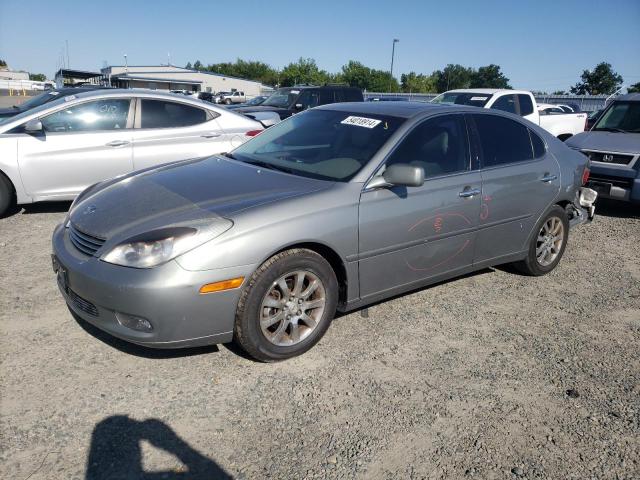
<point>126,65</point>
<point>393,52</point>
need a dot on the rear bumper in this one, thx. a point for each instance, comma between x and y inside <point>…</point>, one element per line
<point>585,209</point>
<point>167,296</point>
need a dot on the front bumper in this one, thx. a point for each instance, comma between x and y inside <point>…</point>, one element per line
<point>167,296</point>
<point>617,182</point>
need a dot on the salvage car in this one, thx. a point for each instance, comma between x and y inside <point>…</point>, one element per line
<point>288,101</point>
<point>519,102</point>
<point>56,150</point>
<point>613,145</point>
<point>334,208</point>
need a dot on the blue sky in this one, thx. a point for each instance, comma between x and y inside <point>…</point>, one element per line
<point>542,45</point>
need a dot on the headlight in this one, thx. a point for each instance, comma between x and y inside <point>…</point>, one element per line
<point>160,246</point>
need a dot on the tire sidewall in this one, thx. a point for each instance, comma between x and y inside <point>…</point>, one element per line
<point>6,195</point>
<point>532,260</point>
<point>248,318</point>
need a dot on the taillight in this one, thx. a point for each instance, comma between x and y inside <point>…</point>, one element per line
<point>253,133</point>
<point>585,175</point>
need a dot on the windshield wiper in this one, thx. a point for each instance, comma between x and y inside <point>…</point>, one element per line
<point>229,155</point>
<point>609,129</point>
<point>270,166</point>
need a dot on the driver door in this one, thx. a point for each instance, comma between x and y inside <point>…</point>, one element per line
<point>81,144</point>
<point>410,234</point>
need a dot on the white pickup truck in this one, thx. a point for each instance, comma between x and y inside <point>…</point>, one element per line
<point>519,102</point>
<point>231,97</point>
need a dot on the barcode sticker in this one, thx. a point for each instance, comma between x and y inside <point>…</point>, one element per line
<point>478,98</point>
<point>361,122</point>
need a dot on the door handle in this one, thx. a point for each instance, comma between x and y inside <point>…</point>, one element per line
<point>468,192</point>
<point>548,178</point>
<point>117,143</point>
<point>211,135</point>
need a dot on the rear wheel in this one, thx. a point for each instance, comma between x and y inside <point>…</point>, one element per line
<point>548,243</point>
<point>6,194</point>
<point>286,306</point>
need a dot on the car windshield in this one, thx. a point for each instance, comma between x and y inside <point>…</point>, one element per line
<point>620,117</point>
<point>256,101</point>
<point>282,98</point>
<point>39,100</point>
<point>322,144</point>
<point>463,98</point>
<point>58,101</point>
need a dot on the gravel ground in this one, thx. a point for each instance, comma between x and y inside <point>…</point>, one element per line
<point>494,375</point>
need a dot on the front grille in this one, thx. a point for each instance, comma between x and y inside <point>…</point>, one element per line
<point>615,181</point>
<point>605,157</point>
<point>87,244</point>
<point>85,305</point>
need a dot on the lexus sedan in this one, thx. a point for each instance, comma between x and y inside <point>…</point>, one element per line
<point>56,150</point>
<point>334,208</point>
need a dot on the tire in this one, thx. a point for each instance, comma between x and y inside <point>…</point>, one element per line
<point>6,195</point>
<point>228,101</point>
<point>546,247</point>
<point>300,316</point>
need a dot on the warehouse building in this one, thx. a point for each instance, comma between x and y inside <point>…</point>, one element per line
<point>169,77</point>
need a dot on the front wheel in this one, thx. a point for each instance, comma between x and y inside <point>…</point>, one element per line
<point>286,306</point>
<point>547,244</point>
<point>228,101</point>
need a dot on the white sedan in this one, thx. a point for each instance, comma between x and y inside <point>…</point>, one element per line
<point>55,151</point>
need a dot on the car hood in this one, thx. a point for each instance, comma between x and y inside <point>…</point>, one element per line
<point>606,142</point>
<point>190,192</point>
<point>260,108</point>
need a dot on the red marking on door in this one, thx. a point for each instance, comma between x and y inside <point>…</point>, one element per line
<point>437,225</point>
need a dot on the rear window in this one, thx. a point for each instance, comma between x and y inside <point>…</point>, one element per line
<point>502,140</point>
<point>323,144</point>
<point>506,103</point>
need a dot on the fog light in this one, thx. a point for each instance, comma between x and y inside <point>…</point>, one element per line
<point>134,323</point>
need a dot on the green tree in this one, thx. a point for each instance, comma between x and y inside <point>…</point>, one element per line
<point>417,83</point>
<point>304,70</point>
<point>489,77</point>
<point>188,66</point>
<point>635,88</point>
<point>198,65</point>
<point>602,80</point>
<point>358,75</point>
<point>559,92</point>
<point>452,77</point>
<point>37,77</point>
<point>3,63</point>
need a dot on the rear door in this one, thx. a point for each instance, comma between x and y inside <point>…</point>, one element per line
<point>520,179</point>
<point>168,130</point>
<point>411,234</point>
<point>82,143</point>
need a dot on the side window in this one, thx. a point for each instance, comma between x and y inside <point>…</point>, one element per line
<point>163,114</point>
<point>502,140</point>
<point>539,148</point>
<point>506,103</point>
<point>438,145</point>
<point>105,114</point>
<point>526,105</point>
<point>309,99</point>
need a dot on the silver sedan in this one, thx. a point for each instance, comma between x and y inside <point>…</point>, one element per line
<point>336,207</point>
<point>55,151</point>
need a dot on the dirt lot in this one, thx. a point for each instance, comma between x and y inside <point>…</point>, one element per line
<point>494,375</point>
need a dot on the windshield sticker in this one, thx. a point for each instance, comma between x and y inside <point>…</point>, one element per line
<point>478,98</point>
<point>294,92</point>
<point>68,98</point>
<point>361,122</point>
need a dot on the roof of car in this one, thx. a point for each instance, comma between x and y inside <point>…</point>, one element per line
<point>394,109</point>
<point>487,91</point>
<point>629,97</point>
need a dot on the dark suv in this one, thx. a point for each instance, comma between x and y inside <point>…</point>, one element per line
<point>287,101</point>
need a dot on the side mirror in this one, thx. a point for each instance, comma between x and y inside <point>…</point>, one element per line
<point>33,126</point>
<point>400,174</point>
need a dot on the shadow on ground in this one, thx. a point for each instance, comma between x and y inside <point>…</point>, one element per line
<point>616,209</point>
<point>116,452</point>
<point>137,350</point>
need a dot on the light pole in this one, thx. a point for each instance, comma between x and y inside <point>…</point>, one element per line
<point>393,52</point>
<point>126,66</point>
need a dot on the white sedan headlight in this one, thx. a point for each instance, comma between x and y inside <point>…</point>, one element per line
<point>160,246</point>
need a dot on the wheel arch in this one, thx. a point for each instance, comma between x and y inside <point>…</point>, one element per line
<point>331,256</point>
